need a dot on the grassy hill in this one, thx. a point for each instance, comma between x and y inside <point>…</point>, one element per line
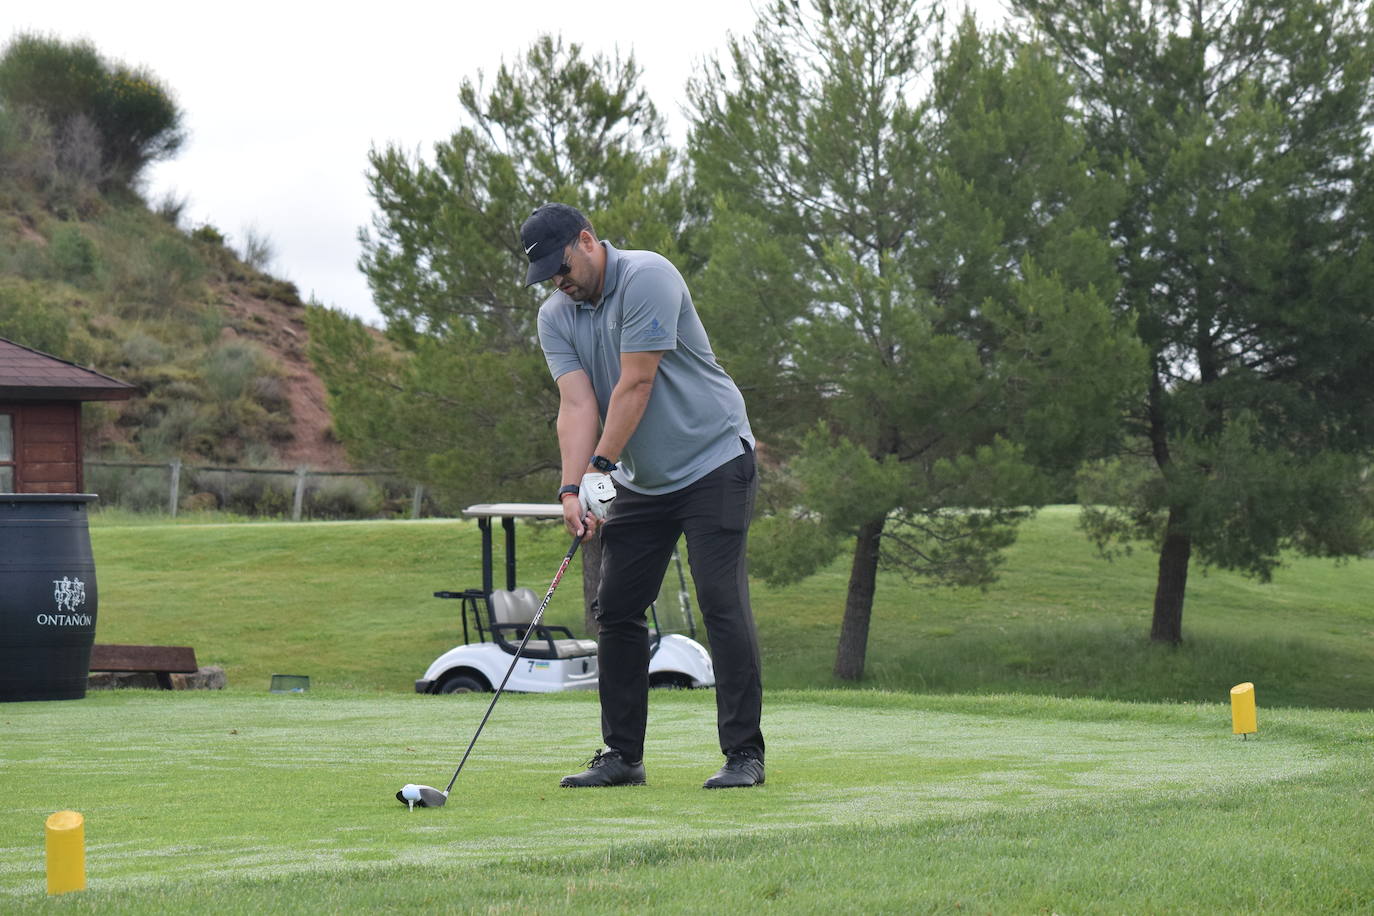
<point>350,604</point>
<point>91,273</point>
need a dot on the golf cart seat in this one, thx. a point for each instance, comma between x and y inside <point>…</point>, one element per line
<point>511,613</point>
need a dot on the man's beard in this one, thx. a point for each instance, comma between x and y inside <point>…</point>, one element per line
<point>574,292</point>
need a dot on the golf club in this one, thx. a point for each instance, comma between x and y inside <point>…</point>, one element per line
<point>430,797</point>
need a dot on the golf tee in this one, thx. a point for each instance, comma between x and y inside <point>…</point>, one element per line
<point>1243,719</point>
<point>66,848</point>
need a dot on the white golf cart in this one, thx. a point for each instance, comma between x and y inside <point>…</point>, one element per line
<point>553,658</point>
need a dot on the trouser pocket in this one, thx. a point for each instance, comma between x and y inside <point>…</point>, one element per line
<point>738,484</point>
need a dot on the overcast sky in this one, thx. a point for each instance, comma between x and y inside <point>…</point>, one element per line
<point>283,100</point>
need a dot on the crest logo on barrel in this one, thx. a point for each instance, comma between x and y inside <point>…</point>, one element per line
<point>69,594</point>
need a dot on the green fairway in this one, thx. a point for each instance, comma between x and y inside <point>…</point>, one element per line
<point>350,604</point>
<point>246,802</point>
<point>997,769</point>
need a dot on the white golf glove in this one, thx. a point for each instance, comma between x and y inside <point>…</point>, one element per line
<point>595,493</point>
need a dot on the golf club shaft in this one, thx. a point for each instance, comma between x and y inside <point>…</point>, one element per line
<point>538,615</point>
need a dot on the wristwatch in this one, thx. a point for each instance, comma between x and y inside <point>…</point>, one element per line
<point>604,465</point>
<point>572,488</point>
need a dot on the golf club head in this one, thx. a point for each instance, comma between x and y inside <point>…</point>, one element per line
<point>423,796</point>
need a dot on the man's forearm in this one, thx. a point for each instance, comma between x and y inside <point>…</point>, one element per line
<point>628,401</point>
<point>577,432</point>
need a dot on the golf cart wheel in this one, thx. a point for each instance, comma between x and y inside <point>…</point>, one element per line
<point>670,680</point>
<point>461,683</point>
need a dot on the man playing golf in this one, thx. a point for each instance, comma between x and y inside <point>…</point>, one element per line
<point>655,444</point>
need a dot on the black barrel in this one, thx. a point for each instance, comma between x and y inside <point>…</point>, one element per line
<point>47,596</point>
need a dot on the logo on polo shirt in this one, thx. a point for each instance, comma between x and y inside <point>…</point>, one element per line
<point>656,331</point>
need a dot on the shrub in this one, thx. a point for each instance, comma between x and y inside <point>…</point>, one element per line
<point>180,428</point>
<point>135,489</point>
<point>154,278</point>
<point>231,369</point>
<point>61,161</point>
<point>79,153</point>
<point>199,502</point>
<point>12,142</point>
<point>26,150</point>
<point>72,254</point>
<point>258,494</point>
<point>134,117</point>
<point>140,349</point>
<point>270,392</point>
<point>172,207</point>
<point>28,318</point>
<point>258,250</point>
<point>176,271</point>
<point>208,235</point>
<point>283,291</point>
<point>22,258</point>
<point>138,120</point>
<point>342,497</point>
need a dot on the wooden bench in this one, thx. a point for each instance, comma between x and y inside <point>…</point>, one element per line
<point>164,661</point>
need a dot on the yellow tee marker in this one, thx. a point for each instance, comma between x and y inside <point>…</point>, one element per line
<point>66,846</point>
<point>1243,709</point>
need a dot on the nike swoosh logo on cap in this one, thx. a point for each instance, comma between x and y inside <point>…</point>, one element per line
<point>531,248</point>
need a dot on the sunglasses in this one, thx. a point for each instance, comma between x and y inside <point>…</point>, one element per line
<point>565,268</point>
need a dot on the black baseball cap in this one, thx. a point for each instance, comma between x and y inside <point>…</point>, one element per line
<point>544,236</point>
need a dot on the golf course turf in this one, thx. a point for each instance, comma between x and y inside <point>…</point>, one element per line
<point>1023,749</point>
<point>247,802</point>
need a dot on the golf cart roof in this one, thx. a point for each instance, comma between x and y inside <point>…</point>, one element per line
<point>515,510</point>
<point>507,513</point>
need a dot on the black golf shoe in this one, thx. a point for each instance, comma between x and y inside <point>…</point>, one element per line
<point>607,768</point>
<point>740,771</point>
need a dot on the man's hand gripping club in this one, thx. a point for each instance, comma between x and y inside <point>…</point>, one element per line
<point>595,494</point>
<point>577,435</point>
<point>586,514</point>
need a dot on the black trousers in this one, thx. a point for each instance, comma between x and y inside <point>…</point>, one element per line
<point>637,544</point>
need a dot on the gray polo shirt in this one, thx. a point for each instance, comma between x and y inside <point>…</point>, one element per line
<point>695,418</point>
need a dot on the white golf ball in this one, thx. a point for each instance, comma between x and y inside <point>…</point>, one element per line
<point>411,792</point>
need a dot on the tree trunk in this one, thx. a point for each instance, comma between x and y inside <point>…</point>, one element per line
<point>858,605</point>
<point>1172,582</point>
<point>591,581</point>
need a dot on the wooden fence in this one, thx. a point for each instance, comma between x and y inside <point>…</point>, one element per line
<point>301,474</point>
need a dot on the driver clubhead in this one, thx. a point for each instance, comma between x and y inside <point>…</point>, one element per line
<point>424,796</point>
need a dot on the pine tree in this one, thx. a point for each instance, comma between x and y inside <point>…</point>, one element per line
<point>907,249</point>
<point>1241,132</point>
<point>458,396</point>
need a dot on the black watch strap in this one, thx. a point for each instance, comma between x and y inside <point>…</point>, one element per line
<point>572,488</point>
<point>604,465</point>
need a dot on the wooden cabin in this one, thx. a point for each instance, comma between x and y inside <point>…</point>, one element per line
<point>40,419</point>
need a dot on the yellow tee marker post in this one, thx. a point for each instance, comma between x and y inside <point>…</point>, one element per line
<point>1243,710</point>
<point>66,846</point>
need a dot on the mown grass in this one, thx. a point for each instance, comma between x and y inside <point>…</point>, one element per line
<point>875,802</point>
<point>980,793</point>
<point>350,605</point>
